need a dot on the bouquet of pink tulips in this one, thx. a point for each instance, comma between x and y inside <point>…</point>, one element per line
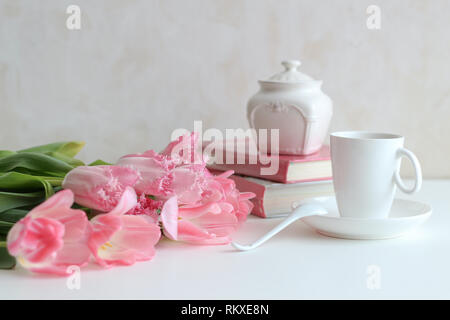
<point>130,205</point>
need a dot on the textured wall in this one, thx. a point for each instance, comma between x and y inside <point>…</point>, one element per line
<point>139,69</point>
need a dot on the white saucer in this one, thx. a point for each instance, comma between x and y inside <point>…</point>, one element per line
<point>405,216</point>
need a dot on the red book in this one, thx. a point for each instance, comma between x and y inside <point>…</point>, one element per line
<point>288,169</point>
<point>276,199</point>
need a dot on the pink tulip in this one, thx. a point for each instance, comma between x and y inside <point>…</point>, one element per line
<point>147,206</point>
<point>185,150</point>
<point>222,210</point>
<point>99,187</point>
<point>223,190</point>
<point>154,169</point>
<point>52,236</point>
<point>119,239</point>
<point>178,170</point>
<point>199,207</point>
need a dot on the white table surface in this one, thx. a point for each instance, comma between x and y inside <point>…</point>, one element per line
<point>296,264</point>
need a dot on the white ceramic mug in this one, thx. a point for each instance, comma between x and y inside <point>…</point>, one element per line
<point>366,169</point>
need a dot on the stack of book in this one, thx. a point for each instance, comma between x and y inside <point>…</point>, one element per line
<point>296,178</point>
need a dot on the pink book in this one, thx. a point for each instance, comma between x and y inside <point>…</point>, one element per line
<point>276,199</point>
<point>290,169</point>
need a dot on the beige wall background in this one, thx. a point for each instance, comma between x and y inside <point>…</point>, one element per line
<point>139,69</point>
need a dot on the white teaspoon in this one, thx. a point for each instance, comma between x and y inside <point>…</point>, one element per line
<point>303,210</point>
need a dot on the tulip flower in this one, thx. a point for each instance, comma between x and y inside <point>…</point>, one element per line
<point>223,190</point>
<point>178,170</point>
<point>185,150</point>
<point>51,237</point>
<point>120,239</point>
<point>154,170</point>
<point>223,209</point>
<point>99,187</point>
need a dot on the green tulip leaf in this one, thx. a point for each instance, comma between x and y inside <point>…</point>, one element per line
<point>69,149</point>
<point>11,200</point>
<point>5,227</point>
<point>13,215</point>
<point>69,160</point>
<point>19,182</point>
<point>5,153</point>
<point>34,163</point>
<point>6,260</point>
<point>54,181</point>
<point>99,162</point>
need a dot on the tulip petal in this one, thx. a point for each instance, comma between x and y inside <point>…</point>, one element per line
<point>169,218</point>
<point>62,199</point>
<point>127,201</point>
<point>138,236</point>
<point>189,212</point>
<point>119,239</point>
<point>189,232</point>
<point>155,174</point>
<point>77,232</point>
<point>222,224</point>
<point>188,183</point>
<point>99,187</point>
<point>37,239</point>
<point>51,237</point>
<point>185,150</point>
<point>135,241</point>
<point>104,227</point>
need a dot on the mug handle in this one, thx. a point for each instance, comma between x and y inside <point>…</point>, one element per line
<point>418,172</point>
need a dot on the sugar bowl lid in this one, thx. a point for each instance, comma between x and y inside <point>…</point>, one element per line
<point>290,74</point>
